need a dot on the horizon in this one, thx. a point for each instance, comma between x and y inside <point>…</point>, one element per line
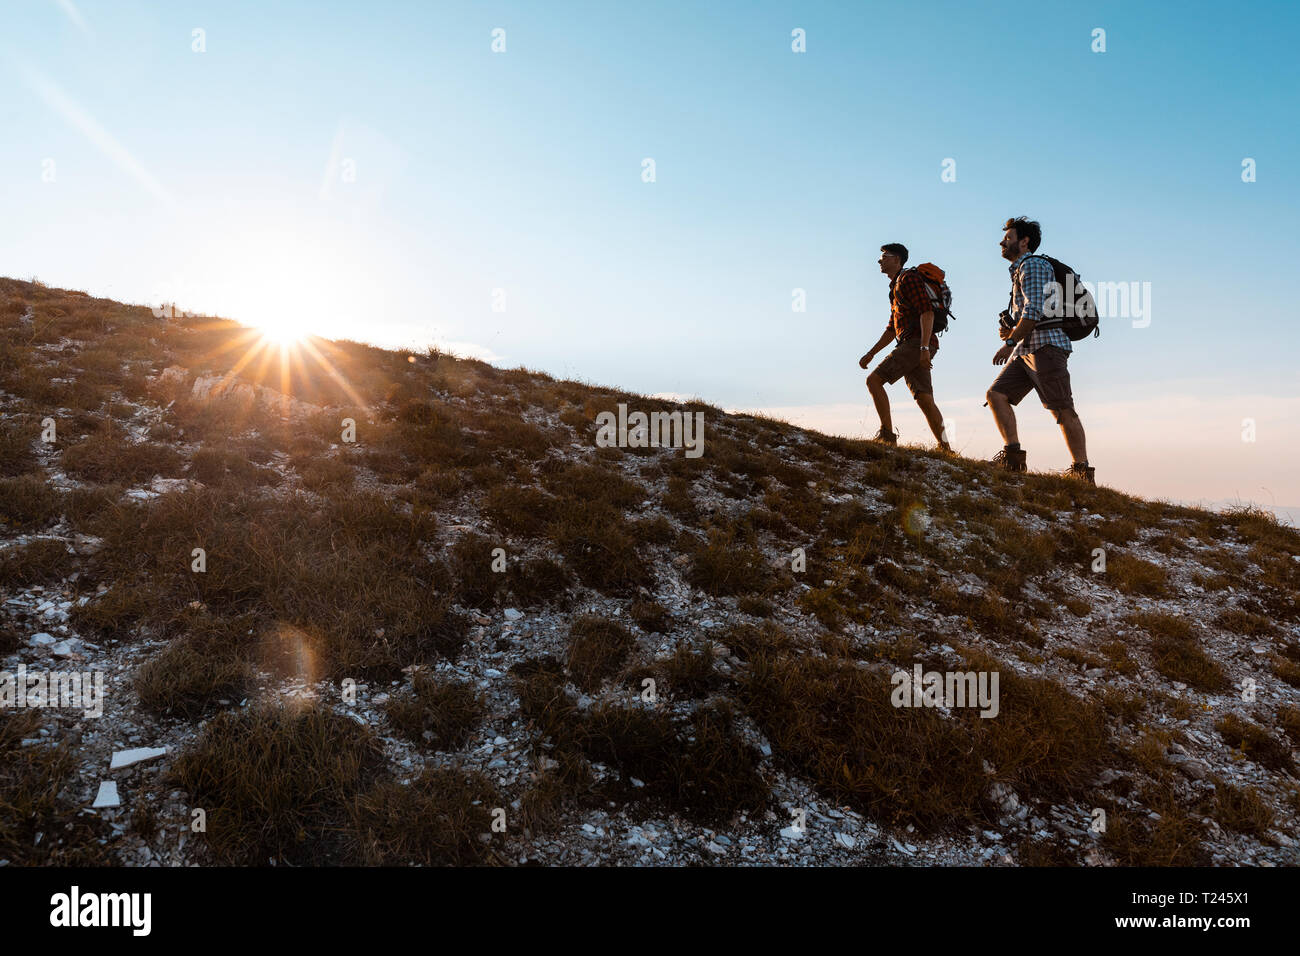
<point>437,193</point>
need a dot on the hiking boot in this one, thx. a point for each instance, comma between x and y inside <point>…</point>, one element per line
<point>1081,470</point>
<point>946,448</point>
<point>885,437</point>
<point>1011,460</point>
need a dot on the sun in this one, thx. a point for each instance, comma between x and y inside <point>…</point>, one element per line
<point>282,329</point>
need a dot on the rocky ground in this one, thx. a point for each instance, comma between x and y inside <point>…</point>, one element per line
<point>1179,735</point>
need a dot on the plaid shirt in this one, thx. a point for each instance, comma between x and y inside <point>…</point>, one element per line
<point>1030,275</point>
<point>907,300</point>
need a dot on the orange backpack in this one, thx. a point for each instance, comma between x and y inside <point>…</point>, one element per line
<point>939,293</point>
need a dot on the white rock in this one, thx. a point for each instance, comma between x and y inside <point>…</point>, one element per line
<point>513,615</point>
<point>164,485</point>
<point>125,758</point>
<point>66,648</point>
<point>42,638</point>
<point>844,840</point>
<point>107,796</point>
<point>1004,797</point>
<point>792,833</point>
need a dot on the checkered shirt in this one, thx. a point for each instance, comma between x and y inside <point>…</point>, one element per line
<point>1030,275</point>
<point>907,300</point>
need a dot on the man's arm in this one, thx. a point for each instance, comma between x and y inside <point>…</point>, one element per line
<point>927,326</point>
<point>1035,278</point>
<point>1024,328</point>
<point>886,337</point>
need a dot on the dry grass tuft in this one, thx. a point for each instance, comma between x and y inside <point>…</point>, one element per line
<point>441,713</point>
<point>1174,839</point>
<point>38,562</point>
<point>278,784</point>
<point>106,457</point>
<point>435,820</point>
<point>1241,809</point>
<point>194,673</point>
<point>1256,743</point>
<point>597,649</point>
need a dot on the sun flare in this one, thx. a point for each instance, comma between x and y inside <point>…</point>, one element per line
<point>283,330</point>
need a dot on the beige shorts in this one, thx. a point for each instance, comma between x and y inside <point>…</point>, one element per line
<point>905,362</point>
<point>1044,371</point>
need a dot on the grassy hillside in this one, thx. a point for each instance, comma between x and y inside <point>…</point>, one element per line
<point>435,623</point>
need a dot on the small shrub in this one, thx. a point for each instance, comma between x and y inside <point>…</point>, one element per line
<point>539,582</point>
<point>435,820</point>
<point>278,783</point>
<point>1245,623</point>
<point>701,769</point>
<point>37,562</point>
<point>1255,743</point>
<point>471,562</point>
<point>650,616</point>
<point>1289,718</point>
<point>1176,838</point>
<point>597,649</point>
<point>598,545</point>
<point>191,675</point>
<point>727,563</point>
<point>690,671</point>
<point>1241,809</point>
<point>442,713</point>
<point>105,457</point>
<point>520,510</point>
<point>327,474</point>
<point>1132,575</point>
<point>28,503</point>
<point>213,466</point>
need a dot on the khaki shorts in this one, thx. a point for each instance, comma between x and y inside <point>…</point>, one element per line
<point>1043,371</point>
<point>905,361</point>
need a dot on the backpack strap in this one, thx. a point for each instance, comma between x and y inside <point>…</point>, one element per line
<point>1048,322</point>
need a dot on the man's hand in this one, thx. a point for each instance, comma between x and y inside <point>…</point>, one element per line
<point>1004,353</point>
<point>1004,332</point>
<point>925,358</point>
<point>866,359</point>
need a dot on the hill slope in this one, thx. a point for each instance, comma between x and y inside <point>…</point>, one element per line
<point>382,607</point>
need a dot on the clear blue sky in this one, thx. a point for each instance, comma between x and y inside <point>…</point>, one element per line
<point>219,178</point>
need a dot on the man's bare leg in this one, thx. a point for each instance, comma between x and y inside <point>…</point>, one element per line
<point>1072,428</point>
<point>932,416</point>
<point>876,385</point>
<point>1004,416</point>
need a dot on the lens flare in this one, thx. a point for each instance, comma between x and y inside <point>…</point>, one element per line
<point>916,520</point>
